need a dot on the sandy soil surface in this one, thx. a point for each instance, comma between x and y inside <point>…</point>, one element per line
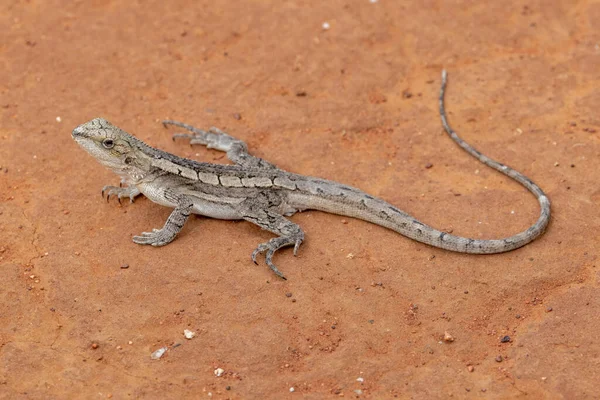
<point>365,310</point>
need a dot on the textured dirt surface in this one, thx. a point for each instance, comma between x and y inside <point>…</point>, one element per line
<point>354,103</point>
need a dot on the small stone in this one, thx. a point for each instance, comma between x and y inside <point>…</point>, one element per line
<point>448,337</point>
<point>358,392</point>
<point>360,379</point>
<point>505,339</point>
<point>188,334</point>
<point>158,353</point>
<point>288,294</point>
<point>237,116</point>
<point>549,309</point>
<point>326,26</point>
<point>518,316</point>
<point>124,266</point>
<point>544,378</point>
<point>227,387</point>
<point>498,358</point>
<point>219,372</point>
<point>95,346</point>
<point>470,368</point>
<point>58,119</point>
<point>292,390</point>
<point>428,165</point>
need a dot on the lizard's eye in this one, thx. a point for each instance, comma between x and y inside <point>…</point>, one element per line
<point>108,143</point>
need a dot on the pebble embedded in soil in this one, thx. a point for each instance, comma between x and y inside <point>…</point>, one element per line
<point>158,353</point>
<point>219,372</point>
<point>498,358</point>
<point>505,339</point>
<point>188,334</point>
<point>448,337</point>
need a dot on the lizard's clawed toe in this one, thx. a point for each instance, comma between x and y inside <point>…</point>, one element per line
<point>157,237</point>
<point>119,192</point>
<point>270,247</point>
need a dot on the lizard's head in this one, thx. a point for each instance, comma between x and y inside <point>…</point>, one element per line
<point>111,146</point>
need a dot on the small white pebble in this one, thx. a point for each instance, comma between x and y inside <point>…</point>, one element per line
<point>350,256</point>
<point>219,371</point>
<point>130,342</point>
<point>372,1</point>
<point>58,119</point>
<point>188,334</point>
<point>158,353</point>
<point>360,379</point>
<point>326,25</point>
<point>512,211</point>
<point>476,171</point>
<point>292,389</point>
<point>358,392</point>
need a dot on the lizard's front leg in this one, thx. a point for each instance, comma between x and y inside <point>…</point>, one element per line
<point>237,150</point>
<point>120,192</point>
<point>174,224</point>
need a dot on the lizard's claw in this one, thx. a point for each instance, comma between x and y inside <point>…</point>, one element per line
<point>158,237</point>
<point>271,247</point>
<point>120,192</point>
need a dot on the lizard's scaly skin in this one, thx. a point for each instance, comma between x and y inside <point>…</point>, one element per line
<point>259,192</point>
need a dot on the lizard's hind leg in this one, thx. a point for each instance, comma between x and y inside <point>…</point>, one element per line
<point>289,234</point>
<point>237,150</point>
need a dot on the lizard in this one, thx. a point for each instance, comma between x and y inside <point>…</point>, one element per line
<point>257,191</point>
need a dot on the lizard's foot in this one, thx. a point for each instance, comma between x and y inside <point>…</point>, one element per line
<point>213,139</point>
<point>158,237</point>
<point>120,192</point>
<point>271,247</point>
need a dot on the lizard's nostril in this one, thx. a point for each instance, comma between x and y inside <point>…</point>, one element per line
<point>78,131</point>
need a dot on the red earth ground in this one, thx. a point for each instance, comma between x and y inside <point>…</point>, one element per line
<point>356,103</point>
